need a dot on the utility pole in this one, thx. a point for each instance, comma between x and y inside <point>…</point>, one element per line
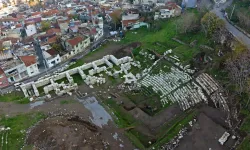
<point>232,12</point>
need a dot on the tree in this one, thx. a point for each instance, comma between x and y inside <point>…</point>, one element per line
<point>116,17</point>
<point>211,23</point>
<point>239,72</point>
<point>186,23</point>
<point>243,17</point>
<point>45,25</point>
<point>57,47</point>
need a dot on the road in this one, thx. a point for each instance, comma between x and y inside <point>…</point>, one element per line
<point>237,34</point>
<point>59,66</point>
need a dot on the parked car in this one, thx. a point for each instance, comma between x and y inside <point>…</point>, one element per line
<point>17,85</point>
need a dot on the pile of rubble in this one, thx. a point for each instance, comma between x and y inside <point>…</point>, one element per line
<point>178,86</point>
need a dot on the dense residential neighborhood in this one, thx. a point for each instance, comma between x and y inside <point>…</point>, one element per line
<point>124,74</point>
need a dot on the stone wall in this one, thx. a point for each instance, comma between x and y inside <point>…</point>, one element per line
<point>92,67</point>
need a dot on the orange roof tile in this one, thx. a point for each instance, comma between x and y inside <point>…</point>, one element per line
<point>75,40</point>
<point>51,12</point>
<point>19,25</point>
<point>53,30</point>
<point>52,52</point>
<point>35,13</point>
<point>28,60</point>
<point>52,40</point>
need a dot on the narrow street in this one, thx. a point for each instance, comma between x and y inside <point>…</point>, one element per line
<point>237,34</point>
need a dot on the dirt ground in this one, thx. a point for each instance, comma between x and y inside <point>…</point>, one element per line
<point>59,128</point>
<point>204,135</point>
<point>73,133</point>
<point>158,120</point>
<point>60,133</point>
<point>118,50</point>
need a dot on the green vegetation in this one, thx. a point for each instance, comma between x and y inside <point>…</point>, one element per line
<point>245,144</point>
<point>45,25</point>
<point>16,97</point>
<point>80,62</point>
<point>124,120</point>
<point>18,126</point>
<point>77,78</point>
<point>240,15</point>
<point>134,140</point>
<point>161,40</point>
<point>77,63</point>
<point>148,38</point>
<point>186,53</point>
<point>65,80</point>
<point>63,102</point>
<point>170,130</point>
<point>246,125</point>
<point>148,101</point>
<point>211,23</point>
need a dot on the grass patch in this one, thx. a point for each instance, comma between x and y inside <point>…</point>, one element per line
<point>191,36</point>
<point>163,38</point>
<point>134,140</point>
<point>18,124</point>
<point>16,97</point>
<point>77,78</point>
<point>80,62</point>
<point>144,139</point>
<point>244,144</point>
<point>170,130</point>
<point>123,119</point>
<point>63,102</point>
<point>147,37</point>
<point>186,53</point>
<point>246,125</point>
<point>65,80</point>
<point>148,102</point>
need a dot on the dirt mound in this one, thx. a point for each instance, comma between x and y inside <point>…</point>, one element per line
<point>65,133</point>
<point>126,50</point>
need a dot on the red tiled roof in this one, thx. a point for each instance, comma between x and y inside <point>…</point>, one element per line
<point>29,23</point>
<point>35,13</point>
<point>12,39</point>
<point>75,40</point>
<point>9,19</point>
<point>18,25</point>
<point>128,22</point>
<point>52,39</point>
<point>77,23</point>
<point>1,71</point>
<point>52,52</point>
<point>53,30</point>
<point>51,12</point>
<point>63,21</point>
<point>116,14</point>
<point>93,31</point>
<point>171,5</point>
<point>28,39</point>
<point>3,80</point>
<point>28,60</point>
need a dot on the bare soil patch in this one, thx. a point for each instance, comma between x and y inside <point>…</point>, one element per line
<point>126,50</point>
<point>66,133</point>
<point>205,134</point>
